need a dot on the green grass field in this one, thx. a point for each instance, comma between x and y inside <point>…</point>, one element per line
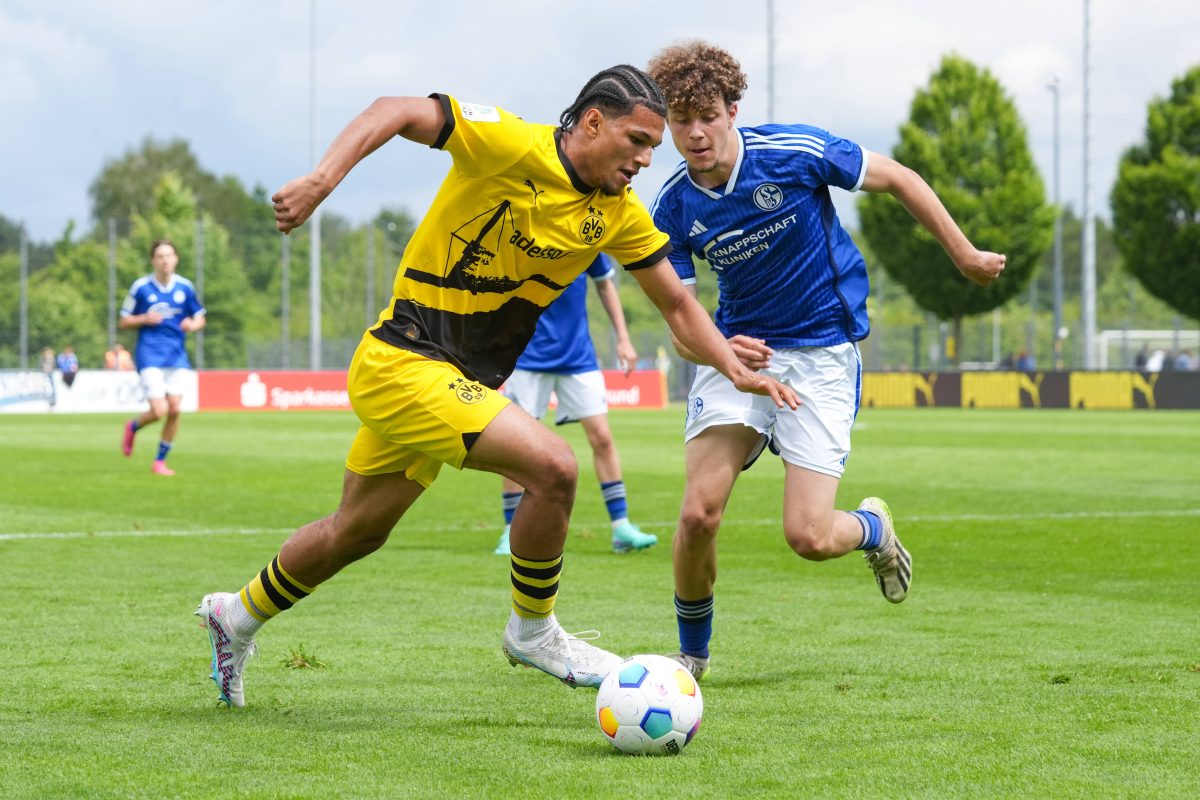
<point>1050,646</point>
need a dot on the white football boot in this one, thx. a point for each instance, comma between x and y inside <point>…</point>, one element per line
<point>890,562</point>
<point>564,655</point>
<point>229,651</point>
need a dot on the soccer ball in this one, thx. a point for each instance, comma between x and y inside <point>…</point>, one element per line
<point>650,705</point>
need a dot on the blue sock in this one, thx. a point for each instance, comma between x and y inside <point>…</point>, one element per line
<point>872,529</point>
<point>163,449</point>
<point>695,625</point>
<point>614,499</point>
<point>133,425</point>
<point>510,501</point>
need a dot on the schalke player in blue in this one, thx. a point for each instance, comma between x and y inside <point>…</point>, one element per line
<point>753,205</point>
<point>561,358</point>
<point>163,307</point>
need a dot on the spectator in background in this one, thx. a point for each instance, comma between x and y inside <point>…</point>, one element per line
<point>68,365</point>
<point>118,358</point>
<point>1143,355</point>
<point>1183,361</point>
<point>48,362</point>
<point>1025,362</point>
<point>1154,362</point>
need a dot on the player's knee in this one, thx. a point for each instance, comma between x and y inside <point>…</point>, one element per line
<point>699,523</point>
<point>557,472</point>
<point>809,540</point>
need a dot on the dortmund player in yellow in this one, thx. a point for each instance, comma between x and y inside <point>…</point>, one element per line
<point>523,211</point>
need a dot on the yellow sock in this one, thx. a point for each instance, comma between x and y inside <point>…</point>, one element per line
<point>272,591</point>
<point>535,586</point>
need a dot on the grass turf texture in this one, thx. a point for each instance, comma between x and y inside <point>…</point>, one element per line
<point>1048,649</point>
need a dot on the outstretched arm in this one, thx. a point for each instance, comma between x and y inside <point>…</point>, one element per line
<point>888,175</point>
<point>697,334</point>
<point>419,119</point>
<point>610,298</point>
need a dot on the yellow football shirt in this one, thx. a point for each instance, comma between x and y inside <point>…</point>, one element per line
<point>511,226</point>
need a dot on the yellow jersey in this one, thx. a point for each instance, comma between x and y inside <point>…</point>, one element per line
<point>511,227</point>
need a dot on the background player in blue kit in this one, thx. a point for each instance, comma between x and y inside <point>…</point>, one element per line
<point>163,307</point>
<point>754,204</point>
<point>561,358</point>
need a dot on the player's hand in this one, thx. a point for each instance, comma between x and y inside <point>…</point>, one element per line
<point>626,356</point>
<point>983,267</point>
<point>152,318</point>
<point>757,383</point>
<point>295,202</point>
<point>752,352</point>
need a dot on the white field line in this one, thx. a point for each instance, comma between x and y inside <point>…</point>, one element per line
<point>1049,515</point>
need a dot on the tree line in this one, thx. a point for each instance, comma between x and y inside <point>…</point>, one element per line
<point>963,135</point>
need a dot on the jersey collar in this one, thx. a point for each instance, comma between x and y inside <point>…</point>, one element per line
<point>576,181</point>
<point>727,188</point>
<point>161,287</point>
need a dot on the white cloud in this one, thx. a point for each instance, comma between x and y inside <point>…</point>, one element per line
<point>90,80</point>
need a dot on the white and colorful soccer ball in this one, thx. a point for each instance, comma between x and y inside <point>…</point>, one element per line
<point>650,705</point>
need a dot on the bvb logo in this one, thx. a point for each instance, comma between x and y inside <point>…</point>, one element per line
<point>592,228</point>
<point>468,392</point>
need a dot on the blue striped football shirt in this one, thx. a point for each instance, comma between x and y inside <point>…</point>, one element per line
<point>787,271</point>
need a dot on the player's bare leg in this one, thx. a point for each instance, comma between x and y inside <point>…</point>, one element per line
<point>811,525</point>
<point>713,459</point>
<point>170,426</point>
<point>369,509</point>
<point>523,450</point>
<point>816,531</point>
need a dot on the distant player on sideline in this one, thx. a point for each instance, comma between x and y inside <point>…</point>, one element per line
<point>561,358</point>
<point>163,307</point>
<point>522,212</point>
<point>754,204</point>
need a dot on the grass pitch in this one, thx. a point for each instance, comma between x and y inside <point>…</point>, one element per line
<point>1049,646</point>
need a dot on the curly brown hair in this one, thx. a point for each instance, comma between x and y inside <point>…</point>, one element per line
<point>694,73</point>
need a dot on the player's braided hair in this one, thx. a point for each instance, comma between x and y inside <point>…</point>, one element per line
<point>694,74</point>
<point>616,91</point>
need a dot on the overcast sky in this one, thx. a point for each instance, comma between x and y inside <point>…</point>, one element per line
<point>83,82</point>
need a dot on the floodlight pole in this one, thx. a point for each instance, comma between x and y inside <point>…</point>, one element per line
<point>1058,243</point>
<point>1088,277</point>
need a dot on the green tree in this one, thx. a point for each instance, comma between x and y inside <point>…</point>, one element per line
<point>966,140</point>
<point>126,186</point>
<point>1156,199</point>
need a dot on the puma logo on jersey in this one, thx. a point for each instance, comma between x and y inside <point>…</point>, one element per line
<point>536,191</point>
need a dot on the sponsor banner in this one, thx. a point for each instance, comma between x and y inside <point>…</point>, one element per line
<point>93,391</point>
<point>266,390</point>
<point>642,388</point>
<point>25,390</point>
<point>1080,390</point>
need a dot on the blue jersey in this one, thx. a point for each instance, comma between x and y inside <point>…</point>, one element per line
<point>162,345</point>
<point>787,271</point>
<point>561,342</point>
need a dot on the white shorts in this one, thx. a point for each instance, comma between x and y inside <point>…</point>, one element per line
<point>580,395</point>
<point>162,381</point>
<point>816,436</point>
